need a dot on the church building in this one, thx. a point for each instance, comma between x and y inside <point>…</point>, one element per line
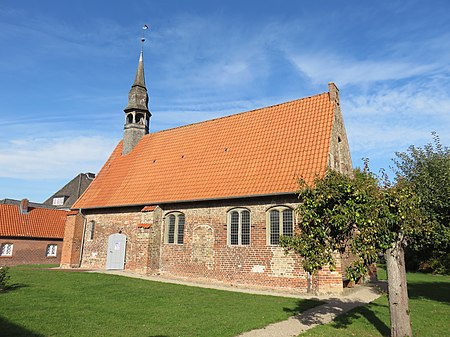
<point>209,201</point>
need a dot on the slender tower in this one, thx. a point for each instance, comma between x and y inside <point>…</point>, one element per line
<point>137,115</point>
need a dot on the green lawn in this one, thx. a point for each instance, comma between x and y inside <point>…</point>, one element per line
<point>45,302</point>
<point>430,312</point>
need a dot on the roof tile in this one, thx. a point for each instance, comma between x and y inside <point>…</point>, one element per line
<point>37,223</point>
<point>257,152</point>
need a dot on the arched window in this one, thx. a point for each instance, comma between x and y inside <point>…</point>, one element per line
<point>239,227</point>
<point>280,223</point>
<point>129,118</point>
<point>140,118</point>
<point>91,230</point>
<point>175,228</point>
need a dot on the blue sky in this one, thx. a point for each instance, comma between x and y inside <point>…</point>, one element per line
<point>66,69</point>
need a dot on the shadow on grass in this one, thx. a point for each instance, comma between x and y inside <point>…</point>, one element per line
<point>303,306</point>
<point>8,328</point>
<point>365,311</point>
<point>435,291</point>
<point>12,287</point>
<point>335,308</point>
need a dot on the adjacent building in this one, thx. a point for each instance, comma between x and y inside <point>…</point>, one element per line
<point>65,197</point>
<point>30,233</point>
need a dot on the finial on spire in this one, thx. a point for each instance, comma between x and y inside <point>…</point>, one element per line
<point>144,28</point>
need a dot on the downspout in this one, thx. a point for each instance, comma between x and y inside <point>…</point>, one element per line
<point>82,237</point>
<point>308,282</point>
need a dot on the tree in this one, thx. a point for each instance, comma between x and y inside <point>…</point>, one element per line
<point>358,215</point>
<point>428,170</point>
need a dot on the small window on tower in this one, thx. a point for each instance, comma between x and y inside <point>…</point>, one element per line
<point>129,118</point>
<point>140,118</point>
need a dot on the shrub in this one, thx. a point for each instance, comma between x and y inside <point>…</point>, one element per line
<point>4,277</point>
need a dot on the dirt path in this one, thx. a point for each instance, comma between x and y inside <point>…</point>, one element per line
<point>322,314</point>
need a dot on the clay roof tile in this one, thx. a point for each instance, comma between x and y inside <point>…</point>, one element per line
<point>37,223</point>
<point>257,152</point>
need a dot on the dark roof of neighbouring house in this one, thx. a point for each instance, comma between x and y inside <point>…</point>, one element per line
<point>8,201</point>
<point>71,191</point>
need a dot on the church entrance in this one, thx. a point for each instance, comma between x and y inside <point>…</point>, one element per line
<point>115,258</point>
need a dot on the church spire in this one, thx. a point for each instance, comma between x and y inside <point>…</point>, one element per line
<point>137,115</point>
<point>140,78</point>
<point>138,97</point>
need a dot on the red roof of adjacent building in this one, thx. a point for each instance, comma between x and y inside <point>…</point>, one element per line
<point>259,152</point>
<point>37,223</point>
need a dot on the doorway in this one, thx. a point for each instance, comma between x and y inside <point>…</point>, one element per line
<point>115,258</point>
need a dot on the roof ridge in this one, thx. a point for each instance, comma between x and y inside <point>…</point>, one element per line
<point>235,114</point>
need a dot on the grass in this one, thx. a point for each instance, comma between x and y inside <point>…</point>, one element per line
<point>44,302</point>
<point>429,303</point>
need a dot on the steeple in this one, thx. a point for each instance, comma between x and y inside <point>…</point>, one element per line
<point>137,115</point>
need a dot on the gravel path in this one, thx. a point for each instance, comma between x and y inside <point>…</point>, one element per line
<point>322,314</point>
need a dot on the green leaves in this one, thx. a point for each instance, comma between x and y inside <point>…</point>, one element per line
<point>427,169</point>
<point>352,215</point>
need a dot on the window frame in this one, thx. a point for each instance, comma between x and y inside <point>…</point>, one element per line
<point>178,228</point>
<point>281,223</point>
<point>240,211</point>
<point>91,230</point>
<point>58,201</point>
<point>2,250</point>
<point>49,252</point>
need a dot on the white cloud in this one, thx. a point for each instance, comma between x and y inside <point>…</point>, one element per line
<point>325,68</point>
<point>412,100</point>
<point>388,119</point>
<point>196,54</point>
<point>53,158</point>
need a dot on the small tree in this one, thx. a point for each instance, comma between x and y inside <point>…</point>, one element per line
<point>427,168</point>
<point>356,214</point>
<point>4,278</point>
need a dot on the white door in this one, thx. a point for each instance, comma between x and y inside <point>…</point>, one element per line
<point>115,258</point>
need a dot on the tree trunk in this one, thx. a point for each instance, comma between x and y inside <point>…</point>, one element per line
<point>398,292</point>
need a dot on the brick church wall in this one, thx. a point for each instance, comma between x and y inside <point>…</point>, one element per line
<point>205,253</point>
<point>142,243</point>
<point>71,248</point>
<point>339,154</point>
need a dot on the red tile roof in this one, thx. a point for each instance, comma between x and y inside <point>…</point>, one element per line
<point>144,225</point>
<point>148,208</point>
<point>37,223</point>
<point>259,152</point>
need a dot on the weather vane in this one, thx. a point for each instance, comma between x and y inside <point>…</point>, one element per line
<point>143,35</point>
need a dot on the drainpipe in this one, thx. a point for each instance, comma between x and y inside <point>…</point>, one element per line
<point>308,282</point>
<point>82,237</point>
